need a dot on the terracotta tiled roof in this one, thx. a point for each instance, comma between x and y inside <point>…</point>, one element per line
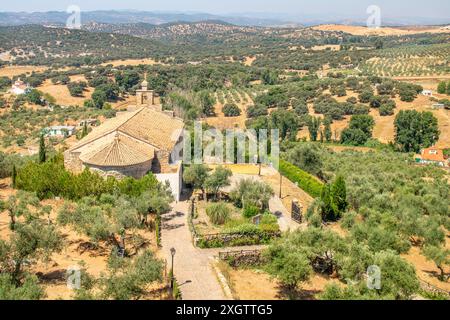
<point>145,124</point>
<point>119,150</point>
<point>433,154</point>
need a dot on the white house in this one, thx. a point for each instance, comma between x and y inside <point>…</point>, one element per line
<point>19,87</point>
<point>59,131</point>
<point>427,93</point>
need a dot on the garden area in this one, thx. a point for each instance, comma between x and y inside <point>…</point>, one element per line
<point>239,217</point>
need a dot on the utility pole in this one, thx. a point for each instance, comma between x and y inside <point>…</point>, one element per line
<point>281,185</point>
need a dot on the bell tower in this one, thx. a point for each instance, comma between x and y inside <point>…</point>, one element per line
<point>144,96</point>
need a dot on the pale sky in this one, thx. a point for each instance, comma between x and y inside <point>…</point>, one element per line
<point>327,8</point>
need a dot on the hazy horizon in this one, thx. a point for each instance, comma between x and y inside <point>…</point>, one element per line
<point>268,8</point>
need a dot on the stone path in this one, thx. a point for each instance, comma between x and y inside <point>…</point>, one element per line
<point>284,221</point>
<point>193,271</point>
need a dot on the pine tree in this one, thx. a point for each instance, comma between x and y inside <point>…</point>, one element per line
<point>339,194</point>
<point>42,152</point>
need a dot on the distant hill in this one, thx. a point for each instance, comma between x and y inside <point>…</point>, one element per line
<point>116,17</point>
<point>176,31</point>
<point>34,44</point>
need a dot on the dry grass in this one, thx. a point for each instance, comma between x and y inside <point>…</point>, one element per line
<point>249,61</point>
<point>12,71</point>
<point>384,31</point>
<point>131,62</point>
<point>332,47</point>
<point>62,95</point>
<point>250,284</point>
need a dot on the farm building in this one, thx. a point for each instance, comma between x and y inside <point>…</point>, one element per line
<point>427,93</point>
<point>432,156</point>
<point>133,144</point>
<point>59,131</point>
<point>19,87</point>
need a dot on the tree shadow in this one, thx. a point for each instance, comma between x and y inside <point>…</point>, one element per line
<point>53,277</point>
<point>437,275</point>
<point>170,216</point>
<point>168,226</point>
<point>286,293</point>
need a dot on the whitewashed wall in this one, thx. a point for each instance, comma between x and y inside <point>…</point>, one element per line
<point>175,180</point>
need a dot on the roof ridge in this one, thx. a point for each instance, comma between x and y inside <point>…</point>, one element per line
<point>115,142</point>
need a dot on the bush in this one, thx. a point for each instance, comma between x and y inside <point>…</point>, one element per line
<point>386,110</point>
<point>251,211</point>
<point>231,110</point>
<point>218,213</point>
<point>305,181</point>
<point>257,111</point>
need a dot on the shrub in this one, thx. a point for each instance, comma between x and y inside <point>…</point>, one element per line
<point>231,110</point>
<point>251,211</point>
<point>256,111</point>
<point>386,110</point>
<point>218,213</point>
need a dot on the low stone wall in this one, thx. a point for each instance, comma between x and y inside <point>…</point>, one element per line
<point>242,258</point>
<point>220,240</point>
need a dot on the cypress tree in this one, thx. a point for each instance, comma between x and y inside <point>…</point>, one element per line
<point>84,133</point>
<point>328,208</point>
<point>42,152</point>
<point>339,195</point>
<point>328,132</point>
<point>14,176</point>
<point>313,127</point>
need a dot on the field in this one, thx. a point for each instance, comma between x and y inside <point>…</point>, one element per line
<point>409,62</point>
<point>12,71</point>
<point>383,31</point>
<point>239,97</point>
<point>131,62</point>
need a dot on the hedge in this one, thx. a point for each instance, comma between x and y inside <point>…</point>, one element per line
<point>305,181</point>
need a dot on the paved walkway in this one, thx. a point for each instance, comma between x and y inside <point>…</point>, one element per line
<point>193,271</point>
<point>284,221</point>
